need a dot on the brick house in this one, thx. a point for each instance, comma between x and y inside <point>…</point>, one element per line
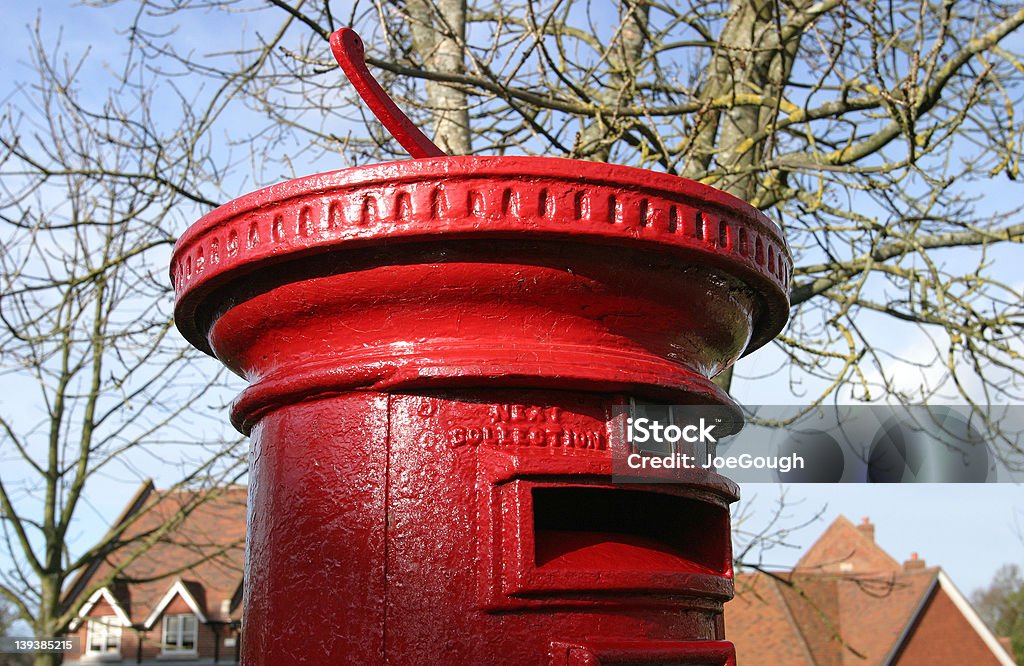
<point>180,600</point>
<point>848,602</point>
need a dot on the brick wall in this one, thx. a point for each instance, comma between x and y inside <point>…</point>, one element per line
<point>942,635</point>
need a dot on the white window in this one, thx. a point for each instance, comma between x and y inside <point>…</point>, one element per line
<point>103,635</point>
<point>180,633</point>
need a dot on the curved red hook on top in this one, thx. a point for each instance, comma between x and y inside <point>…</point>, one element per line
<point>348,51</point>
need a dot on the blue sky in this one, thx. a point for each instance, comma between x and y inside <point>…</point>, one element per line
<point>967,529</point>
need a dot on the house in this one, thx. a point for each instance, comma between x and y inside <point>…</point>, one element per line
<point>846,602</point>
<point>177,601</point>
<point>849,602</point>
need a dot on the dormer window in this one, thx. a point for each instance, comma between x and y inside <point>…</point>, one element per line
<point>103,636</point>
<point>180,629</point>
<point>179,634</point>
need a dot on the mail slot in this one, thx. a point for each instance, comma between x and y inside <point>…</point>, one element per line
<point>581,528</point>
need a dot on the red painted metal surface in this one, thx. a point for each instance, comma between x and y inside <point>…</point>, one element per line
<point>434,349</point>
<point>347,47</point>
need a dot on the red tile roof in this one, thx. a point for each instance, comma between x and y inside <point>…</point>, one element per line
<point>759,616</point>
<point>205,551</point>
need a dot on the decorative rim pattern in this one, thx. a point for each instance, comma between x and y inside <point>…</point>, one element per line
<point>483,197</point>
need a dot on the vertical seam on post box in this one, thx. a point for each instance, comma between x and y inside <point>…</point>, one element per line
<point>387,524</point>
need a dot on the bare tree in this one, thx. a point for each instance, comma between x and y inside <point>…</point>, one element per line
<point>878,134</point>
<point>98,388</point>
<point>873,132</point>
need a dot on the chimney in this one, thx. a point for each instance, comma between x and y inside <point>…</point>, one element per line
<point>913,564</point>
<point>867,528</point>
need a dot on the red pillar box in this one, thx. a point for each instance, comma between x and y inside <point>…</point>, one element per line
<point>434,348</point>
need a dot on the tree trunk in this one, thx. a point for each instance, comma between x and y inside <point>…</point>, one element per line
<point>754,56</point>
<point>439,35</point>
<point>596,139</point>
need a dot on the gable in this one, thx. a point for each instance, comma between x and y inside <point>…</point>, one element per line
<point>845,549</point>
<point>101,608</point>
<point>943,635</point>
<point>179,599</point>
<point>178,606</point>
<point>948,628</point>
<point>101,604</point>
